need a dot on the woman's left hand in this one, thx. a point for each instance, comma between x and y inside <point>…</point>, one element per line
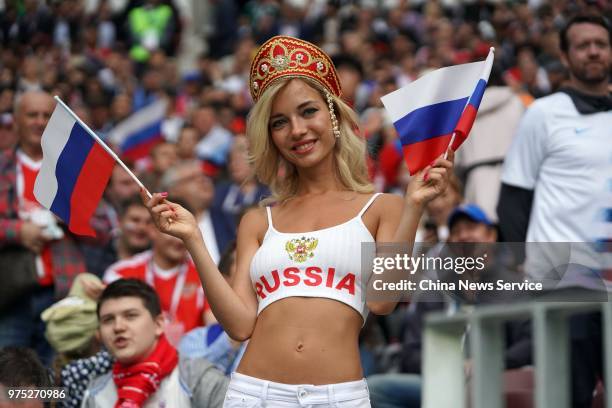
<point>430,182</point>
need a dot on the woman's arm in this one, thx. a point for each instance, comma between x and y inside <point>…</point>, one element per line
<point>235,308</point>
<point>423,187</point>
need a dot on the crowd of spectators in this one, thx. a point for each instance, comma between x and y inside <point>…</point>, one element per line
<point>109,59</point>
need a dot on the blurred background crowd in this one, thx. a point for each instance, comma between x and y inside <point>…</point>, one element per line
<point>109,59</point>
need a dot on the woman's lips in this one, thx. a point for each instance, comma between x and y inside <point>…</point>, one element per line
<point>304,147</point>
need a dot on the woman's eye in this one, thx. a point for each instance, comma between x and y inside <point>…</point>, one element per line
<point>310,111</point>
<point>277,124</point>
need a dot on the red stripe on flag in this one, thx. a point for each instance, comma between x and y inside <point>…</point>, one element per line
<point>141,150</point>
<point>88,189</point>
<point>464,125</point>
<point>420,155</point>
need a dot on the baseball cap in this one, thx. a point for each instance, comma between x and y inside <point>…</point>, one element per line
<point>471,211</point>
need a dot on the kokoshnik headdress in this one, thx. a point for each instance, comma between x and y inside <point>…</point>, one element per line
<point>289,57</point>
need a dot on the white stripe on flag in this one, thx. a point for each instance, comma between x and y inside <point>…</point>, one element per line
<point>138,121</point>
<point>488,65</point>
<point>441,85</point>
<point>53,141</point>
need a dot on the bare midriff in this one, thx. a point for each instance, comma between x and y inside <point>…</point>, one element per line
<point>301,340</point>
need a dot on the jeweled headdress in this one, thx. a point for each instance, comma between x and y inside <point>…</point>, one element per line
<point>283,56</point>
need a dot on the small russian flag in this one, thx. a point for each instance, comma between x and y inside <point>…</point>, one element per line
<point>437,109</point>
<point>74,171</point>
<point>139,132</point>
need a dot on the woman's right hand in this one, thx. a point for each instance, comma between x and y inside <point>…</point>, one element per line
<point>170,218</point>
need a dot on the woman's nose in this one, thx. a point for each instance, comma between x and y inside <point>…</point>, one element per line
<point>298,127</point>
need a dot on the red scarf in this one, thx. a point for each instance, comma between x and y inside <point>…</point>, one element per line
<point>137,382</point>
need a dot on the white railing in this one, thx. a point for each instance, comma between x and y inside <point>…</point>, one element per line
<point>444,381</point>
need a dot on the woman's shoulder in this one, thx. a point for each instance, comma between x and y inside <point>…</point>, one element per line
<point>254,221</point>
<point>385,208</point>
<point>387,202</point>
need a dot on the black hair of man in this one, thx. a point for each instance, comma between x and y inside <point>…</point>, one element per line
<point>579,19</point>
<point>125,205</point>
<point>132,288</point>
<point>21,367</point>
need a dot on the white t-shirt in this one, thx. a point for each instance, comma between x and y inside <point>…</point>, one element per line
<point>563,156</point>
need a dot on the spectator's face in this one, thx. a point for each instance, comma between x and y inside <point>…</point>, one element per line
<point>187,141</point>
<point>193,187</point>
<point>121,186</point>
<point>464,230</point>
<point>239,166</point>
<point>30,68</point>
<point>135,225</point>
<point>164,156</point>
<point>588,55</point>
<point>122,107</point>
<point>152,80</point>
<point>170,249</point>
<point>128,330</point>
<point>7,97</point>
<point>204,120</point>
<point>349,80</point>
<point>33,113</point>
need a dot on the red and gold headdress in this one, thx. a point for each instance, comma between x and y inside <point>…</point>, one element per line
<point>283,56</point>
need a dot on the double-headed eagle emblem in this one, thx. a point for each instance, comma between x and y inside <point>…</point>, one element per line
<point>300,249</point>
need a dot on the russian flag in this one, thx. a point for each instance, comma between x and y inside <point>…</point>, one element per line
<point>137,134</point>
<point>427,112</point>
<point>74,172</point>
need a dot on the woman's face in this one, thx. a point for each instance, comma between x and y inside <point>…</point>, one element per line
<point>300,125</point>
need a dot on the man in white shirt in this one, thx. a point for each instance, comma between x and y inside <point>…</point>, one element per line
<point>557,176</point>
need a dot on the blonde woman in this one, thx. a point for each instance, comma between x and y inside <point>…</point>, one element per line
<point>297,292</point>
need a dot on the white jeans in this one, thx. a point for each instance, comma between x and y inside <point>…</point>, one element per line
<point>250,392</point>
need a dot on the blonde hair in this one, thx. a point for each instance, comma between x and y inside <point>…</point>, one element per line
<point>280,175</point>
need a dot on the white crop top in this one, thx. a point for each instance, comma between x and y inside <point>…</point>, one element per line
<point>325,263</point>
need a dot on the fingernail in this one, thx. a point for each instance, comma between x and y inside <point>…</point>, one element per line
<point>164,194</point>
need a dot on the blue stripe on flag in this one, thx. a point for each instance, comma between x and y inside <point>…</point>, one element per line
<point>430,121</point>
<point>68,168</point>
<point>142,136</point>
<point>478,93</point>
<point>603,245</point>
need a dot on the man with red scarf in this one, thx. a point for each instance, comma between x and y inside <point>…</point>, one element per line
<point>147,371</point>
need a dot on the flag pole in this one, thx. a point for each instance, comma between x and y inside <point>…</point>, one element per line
<point>101,143</point>
<point>449,145</point>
